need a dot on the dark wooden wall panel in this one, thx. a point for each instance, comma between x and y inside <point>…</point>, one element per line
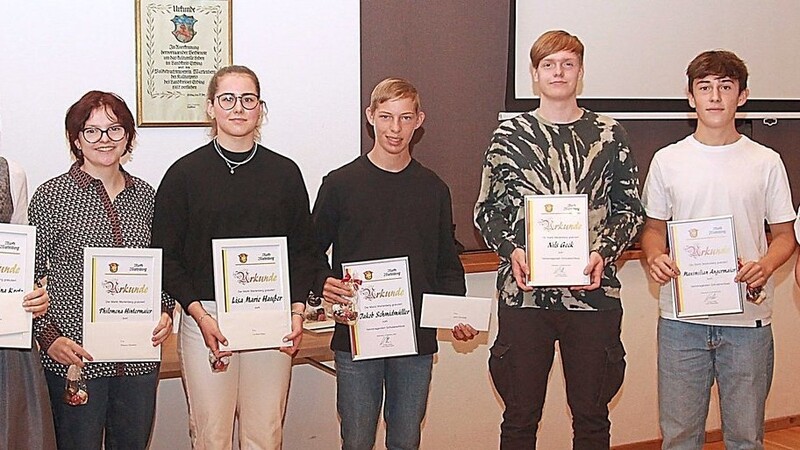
<point>456,53</point>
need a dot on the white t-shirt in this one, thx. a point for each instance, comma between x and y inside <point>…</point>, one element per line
<point>690,180</point>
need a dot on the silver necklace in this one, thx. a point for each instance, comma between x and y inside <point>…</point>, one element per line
<point>233,165</point>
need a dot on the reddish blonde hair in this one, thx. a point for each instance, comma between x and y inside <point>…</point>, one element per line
<point>555,41</point>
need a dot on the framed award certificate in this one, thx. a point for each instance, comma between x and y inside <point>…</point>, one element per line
<point>121,303</point>
<point>705,252</point>
<point>252,291</point>
<point>385,323</point>
<point>17,249</point>
<point>557,239</point>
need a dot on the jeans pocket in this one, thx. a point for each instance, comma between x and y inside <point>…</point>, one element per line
<point>502,370</point>
<point>613,374</point>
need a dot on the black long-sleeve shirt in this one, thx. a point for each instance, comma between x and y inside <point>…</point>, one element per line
<point>368,213</point>
<point>200,200</point>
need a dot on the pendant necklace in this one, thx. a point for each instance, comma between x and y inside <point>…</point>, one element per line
<point>233,165</point>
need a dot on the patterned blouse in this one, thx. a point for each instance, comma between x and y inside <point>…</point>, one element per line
<point>529,155</point>
<point>70,212</point>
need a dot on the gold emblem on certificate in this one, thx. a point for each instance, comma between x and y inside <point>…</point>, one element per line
<point>557,239</point>
<point>384,324</point>
<point>121,303</point>
<point>705,252</point>
<point>17,247</point>
<point>251,285</point>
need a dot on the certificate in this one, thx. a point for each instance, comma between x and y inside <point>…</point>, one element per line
<point>252,291</point>
<point>447,311</point>
<point>180,44</point>
<point>705,252</point>
<point>557,239</point>
<point>17,249</point>
<point>121,303</point>
<point>385,324</point>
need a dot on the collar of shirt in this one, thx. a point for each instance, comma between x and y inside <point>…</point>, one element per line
<point>84,180</point>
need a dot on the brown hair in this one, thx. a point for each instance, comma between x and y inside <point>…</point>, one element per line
<point>79,113</point>
<point>721,63</point>
<point>214,83</point>
<point>391,89</point>
<point>554,41</point>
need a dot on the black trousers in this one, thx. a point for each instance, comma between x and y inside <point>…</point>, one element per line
<point>593,360</point>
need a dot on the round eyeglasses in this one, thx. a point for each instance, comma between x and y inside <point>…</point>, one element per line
<point>92,135</point>
<point>227,101</point>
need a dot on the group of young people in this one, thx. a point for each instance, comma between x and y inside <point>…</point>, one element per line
<point>559,148</point>
<point>99,204</point>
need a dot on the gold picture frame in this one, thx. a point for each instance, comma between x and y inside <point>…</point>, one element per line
<point>179,46</point>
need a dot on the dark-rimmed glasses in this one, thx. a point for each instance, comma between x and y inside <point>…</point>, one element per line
<point>92,135</point>
<point>227,101</point>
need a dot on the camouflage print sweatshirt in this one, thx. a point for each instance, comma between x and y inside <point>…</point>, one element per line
<point>529,155</point>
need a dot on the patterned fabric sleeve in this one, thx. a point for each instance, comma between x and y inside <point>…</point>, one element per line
<point>44,326</point>
<point>498,199</point>
<point>626,214</point>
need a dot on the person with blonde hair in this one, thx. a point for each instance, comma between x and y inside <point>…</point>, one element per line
<point>559,148</point>
<point>386,204</point>
<point>232,187</point>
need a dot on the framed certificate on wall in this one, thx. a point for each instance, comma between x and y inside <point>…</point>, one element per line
<point>180,44</point>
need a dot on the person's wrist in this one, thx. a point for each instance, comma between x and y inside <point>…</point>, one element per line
<point>200,320</point>
<point>299,314</point>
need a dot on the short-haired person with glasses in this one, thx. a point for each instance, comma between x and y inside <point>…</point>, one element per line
<point>232,187</point>
<point>95,204</point>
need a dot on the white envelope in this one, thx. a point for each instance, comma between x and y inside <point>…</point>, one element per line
<point>447,311</point>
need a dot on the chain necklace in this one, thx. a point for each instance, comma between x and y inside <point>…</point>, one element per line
<point>233,165</point>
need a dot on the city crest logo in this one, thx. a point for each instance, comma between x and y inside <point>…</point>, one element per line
<point>367,275</point>
<point>548,207</point>
<point>184,28</point>
<point>242,258</point>
<point>693,232</point>
<point>113,267</point>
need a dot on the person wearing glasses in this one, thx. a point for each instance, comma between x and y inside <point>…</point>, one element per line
<point>95,204</point>
<point>232,187</point>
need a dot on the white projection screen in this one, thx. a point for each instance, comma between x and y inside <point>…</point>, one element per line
<point>637,50</point>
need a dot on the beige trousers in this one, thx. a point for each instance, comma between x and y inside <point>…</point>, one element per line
<point>253,389</point>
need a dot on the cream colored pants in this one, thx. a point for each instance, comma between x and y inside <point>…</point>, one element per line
<point>253,389</point>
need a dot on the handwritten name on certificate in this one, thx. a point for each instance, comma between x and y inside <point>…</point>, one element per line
<point>385,323</point>
<point>705,252</point>
<point>17,249</point>
<point>557,239</point>
<point>252,290</point>
<point>121,303</point>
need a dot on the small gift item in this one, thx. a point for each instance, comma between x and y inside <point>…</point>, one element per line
<point>75,392</point>
<point>218,364</point>
<point>347,313</point>
<point>754,295</point>
<point>315,311</point>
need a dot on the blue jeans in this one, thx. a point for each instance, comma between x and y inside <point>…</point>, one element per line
<point>360,387</point>
<point>122,407</point>
<point>690,358</point>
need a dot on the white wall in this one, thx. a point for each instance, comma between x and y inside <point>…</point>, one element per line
<point>464,411</point>
<point>307,56</point>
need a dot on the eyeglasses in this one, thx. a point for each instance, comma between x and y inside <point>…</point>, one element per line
<point>92,135</point>
<point>227,101</point>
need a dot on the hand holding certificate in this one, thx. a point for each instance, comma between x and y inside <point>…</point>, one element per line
<point>705,253</point>
<point>385,323</point>
<point>557,239</point>
<point>17,247</point>
<point>122,303</point>
<point>251,286</point>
